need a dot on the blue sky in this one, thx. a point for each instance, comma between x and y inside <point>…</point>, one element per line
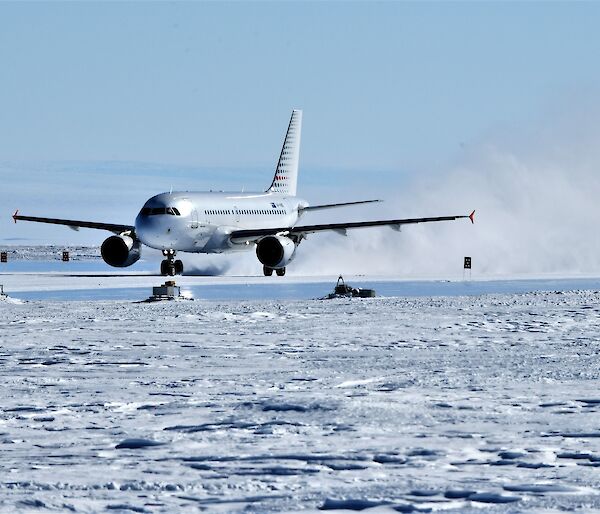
<point>103,104</point>
<point>383,85</point>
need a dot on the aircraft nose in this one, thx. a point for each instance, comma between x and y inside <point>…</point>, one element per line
<point>154,231</point>
<point>144,228</point>
<point>140,226</point>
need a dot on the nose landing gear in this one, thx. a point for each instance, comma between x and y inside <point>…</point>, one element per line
<point>170,266</point>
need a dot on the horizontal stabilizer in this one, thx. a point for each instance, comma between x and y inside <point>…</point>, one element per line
<point>334,205</point>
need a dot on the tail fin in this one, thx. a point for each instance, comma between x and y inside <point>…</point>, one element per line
<point>286,174</point>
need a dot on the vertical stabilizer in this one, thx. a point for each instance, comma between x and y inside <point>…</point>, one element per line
<point>286,174</point>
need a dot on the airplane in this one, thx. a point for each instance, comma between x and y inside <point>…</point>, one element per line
<point>211,222</point>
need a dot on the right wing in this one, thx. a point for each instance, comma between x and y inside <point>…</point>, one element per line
<point>334,205</point>
<point>75,224</point>
<point>239,236</point>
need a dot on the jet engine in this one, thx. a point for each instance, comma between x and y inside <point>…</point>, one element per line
<point>120,251</point>
<point>275,251</point>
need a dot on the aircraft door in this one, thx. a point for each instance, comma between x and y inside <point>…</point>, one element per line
<point>194,223</point>
<point>237,213</point>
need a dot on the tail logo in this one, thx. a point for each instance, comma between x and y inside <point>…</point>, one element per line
<point>286,174</point>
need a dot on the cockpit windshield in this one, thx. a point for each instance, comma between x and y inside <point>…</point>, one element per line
<point>153,211</point>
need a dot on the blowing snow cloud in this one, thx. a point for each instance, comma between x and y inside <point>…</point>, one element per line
<point>537,196</point>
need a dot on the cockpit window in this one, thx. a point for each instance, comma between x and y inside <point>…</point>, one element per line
<point>148,211</point>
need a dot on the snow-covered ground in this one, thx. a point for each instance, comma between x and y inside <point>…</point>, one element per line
<point>400,404</point>
<point>50,252</point>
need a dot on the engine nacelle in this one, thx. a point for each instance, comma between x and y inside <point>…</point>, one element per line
<point>275,251</point>
<point>121,251</point>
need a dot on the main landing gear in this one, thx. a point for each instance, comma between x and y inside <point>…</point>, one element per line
<point>170,266</point>
<point>269,271</point>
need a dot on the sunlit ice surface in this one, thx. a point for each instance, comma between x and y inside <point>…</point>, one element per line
<point>254,397</point>
<point>84,285</point>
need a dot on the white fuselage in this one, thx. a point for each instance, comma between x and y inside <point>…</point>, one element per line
<point>202,222</point>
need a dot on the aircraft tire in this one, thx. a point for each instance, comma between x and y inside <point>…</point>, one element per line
<point>164,268</point>
<point>267,271</point>
<point>280,272</point>
<point>178,267</point>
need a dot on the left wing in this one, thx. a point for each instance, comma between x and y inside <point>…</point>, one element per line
<point>238,236</point>
<point>75,224</point>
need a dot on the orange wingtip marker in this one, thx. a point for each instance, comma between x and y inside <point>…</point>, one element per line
<point>15,215</point>
<point>472,217</point>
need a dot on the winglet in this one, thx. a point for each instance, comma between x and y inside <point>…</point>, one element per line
<point>15,215</point>
<point>472,217</point>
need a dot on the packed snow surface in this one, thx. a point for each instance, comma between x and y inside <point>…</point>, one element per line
<point>464,404</point>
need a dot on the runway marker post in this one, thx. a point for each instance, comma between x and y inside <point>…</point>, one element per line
<point>467,267</point>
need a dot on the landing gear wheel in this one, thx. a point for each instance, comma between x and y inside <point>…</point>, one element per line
<point>178,267</point>
<point>170,266</point>
<point>267,271</point>
<point>164,267</point>
<point>280,272</point>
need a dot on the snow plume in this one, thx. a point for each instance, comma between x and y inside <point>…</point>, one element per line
<point>537,196</point>
<point>206,265</point>
<point>232,264</point>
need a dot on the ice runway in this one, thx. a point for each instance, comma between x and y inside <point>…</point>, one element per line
<point>406,404</point>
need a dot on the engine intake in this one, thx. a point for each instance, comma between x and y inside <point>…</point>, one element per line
<point>275,251</point>
<point>120,251</point>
